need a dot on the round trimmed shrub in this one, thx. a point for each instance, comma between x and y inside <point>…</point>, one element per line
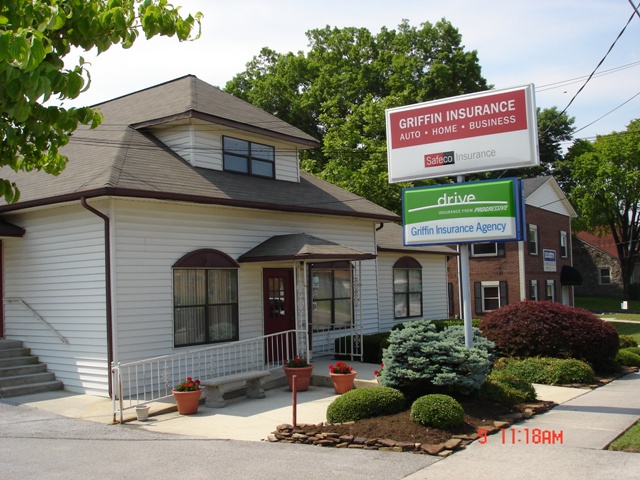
<point>365,403</point>
<point>506,388</point>
<point>627,341</point>
<point>438,411</point>
<point>549,329</point>
<point>628,359</point>
<point>547,370</point>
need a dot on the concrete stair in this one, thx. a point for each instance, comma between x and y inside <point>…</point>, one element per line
<point>21,373</point>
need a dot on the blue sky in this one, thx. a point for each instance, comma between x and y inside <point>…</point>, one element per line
<point>553,44</point>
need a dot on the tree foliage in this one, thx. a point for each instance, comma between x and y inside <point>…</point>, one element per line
<point>35,37</point>
<point>554,128</point>
<point>607,192</point>
<point>338,92</point>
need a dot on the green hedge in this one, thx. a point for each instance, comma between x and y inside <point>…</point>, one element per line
<point>547,370</point>
<point>505,388</point>
<point>365,403</point>
<point>627,358</point>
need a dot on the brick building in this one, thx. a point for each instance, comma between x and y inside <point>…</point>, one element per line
<point>539,268</point>
<point>596,258</point>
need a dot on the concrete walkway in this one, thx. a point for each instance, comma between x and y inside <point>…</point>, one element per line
<point>565,442</point>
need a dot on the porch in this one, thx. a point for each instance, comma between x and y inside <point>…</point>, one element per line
<point>150,381</point>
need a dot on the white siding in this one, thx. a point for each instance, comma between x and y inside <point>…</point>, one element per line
<point>57,268</point>
<point>200,144</point>
<point>434,287</point>
<point>151,236</point>
<point>549,198</point>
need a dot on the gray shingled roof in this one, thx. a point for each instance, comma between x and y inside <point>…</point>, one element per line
<point>389,238</point>
<point>301,246</point>
<point>120,160</point>
<point>530,185</point>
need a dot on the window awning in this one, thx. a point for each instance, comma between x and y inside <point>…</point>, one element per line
<point>9,230</point>
<point>301,246</point>
<point>570,276</point>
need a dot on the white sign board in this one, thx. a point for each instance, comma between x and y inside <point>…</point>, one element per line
<point>549,260</point>
<point>462,135</point>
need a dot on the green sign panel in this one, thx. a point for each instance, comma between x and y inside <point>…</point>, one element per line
<point>463,213</point>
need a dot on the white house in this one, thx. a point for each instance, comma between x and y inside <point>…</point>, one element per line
<point>184,222</point>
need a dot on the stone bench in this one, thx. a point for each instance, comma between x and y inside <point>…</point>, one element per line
<point>214,392</point>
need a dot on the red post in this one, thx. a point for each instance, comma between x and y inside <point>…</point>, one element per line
<point>294,398</point>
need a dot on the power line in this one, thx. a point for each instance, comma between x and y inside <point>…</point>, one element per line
<point>608,113</point>
<point>597,66</point>
<point>564,83</point>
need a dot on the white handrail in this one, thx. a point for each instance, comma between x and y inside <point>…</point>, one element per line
<point>152,379</point>
<point>37,315</point>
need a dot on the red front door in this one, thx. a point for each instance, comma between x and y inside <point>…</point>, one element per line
<point>279,312</point>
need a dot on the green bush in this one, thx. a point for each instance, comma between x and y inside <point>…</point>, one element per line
<point>438,411</point>
<point>441,324</point>
<point>365,403</point>
<point>547,370</point>
<point>627,341</point>
<point>421,360</point>
<point>635,350</point>
<point>628,359</point>
<point>505,388</point>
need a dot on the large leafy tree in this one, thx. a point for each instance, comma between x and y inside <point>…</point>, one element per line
<point>554,128</point>
<point>35,37</point>
<point>607,192</point>
<point>338,92</point>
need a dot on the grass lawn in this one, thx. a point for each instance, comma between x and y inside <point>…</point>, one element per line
<point>605,304</point>
<point>632,329</point>
<point>629,441</point>
<point>634,317</point>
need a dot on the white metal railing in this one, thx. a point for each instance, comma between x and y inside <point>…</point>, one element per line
<point>37,315</point>
<point>152,379</point>
<point>345,342</point>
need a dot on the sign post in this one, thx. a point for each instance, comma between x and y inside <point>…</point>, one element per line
<point>492,130</point>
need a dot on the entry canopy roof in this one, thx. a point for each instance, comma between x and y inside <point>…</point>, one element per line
<point>301,246</point>
<point>570,276</point>
<point>10,230</point>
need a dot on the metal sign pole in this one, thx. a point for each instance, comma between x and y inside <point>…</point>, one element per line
<point>465,282</point>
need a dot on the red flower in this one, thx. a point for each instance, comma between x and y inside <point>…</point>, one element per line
<point>340,368</point>
<point>189,385</point>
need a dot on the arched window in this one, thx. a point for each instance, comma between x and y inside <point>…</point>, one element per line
<point>407,288</point>
<point>205,298</point>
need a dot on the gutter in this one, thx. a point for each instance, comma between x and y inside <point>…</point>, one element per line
<point>107,274</point>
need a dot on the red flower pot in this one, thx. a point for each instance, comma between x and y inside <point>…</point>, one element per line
<point>343,382</point>
<point>187,402</point>
<point>303,377</point>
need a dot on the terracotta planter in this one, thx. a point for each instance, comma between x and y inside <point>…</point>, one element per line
<point>303,377</point>
<point>187,402</point>
<point>343,382</point>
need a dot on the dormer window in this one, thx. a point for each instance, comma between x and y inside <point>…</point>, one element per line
<point>250,158</point>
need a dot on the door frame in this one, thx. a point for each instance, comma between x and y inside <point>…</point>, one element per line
<point>271,325</point>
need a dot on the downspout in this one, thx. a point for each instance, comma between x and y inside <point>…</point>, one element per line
<point>107,274</point>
